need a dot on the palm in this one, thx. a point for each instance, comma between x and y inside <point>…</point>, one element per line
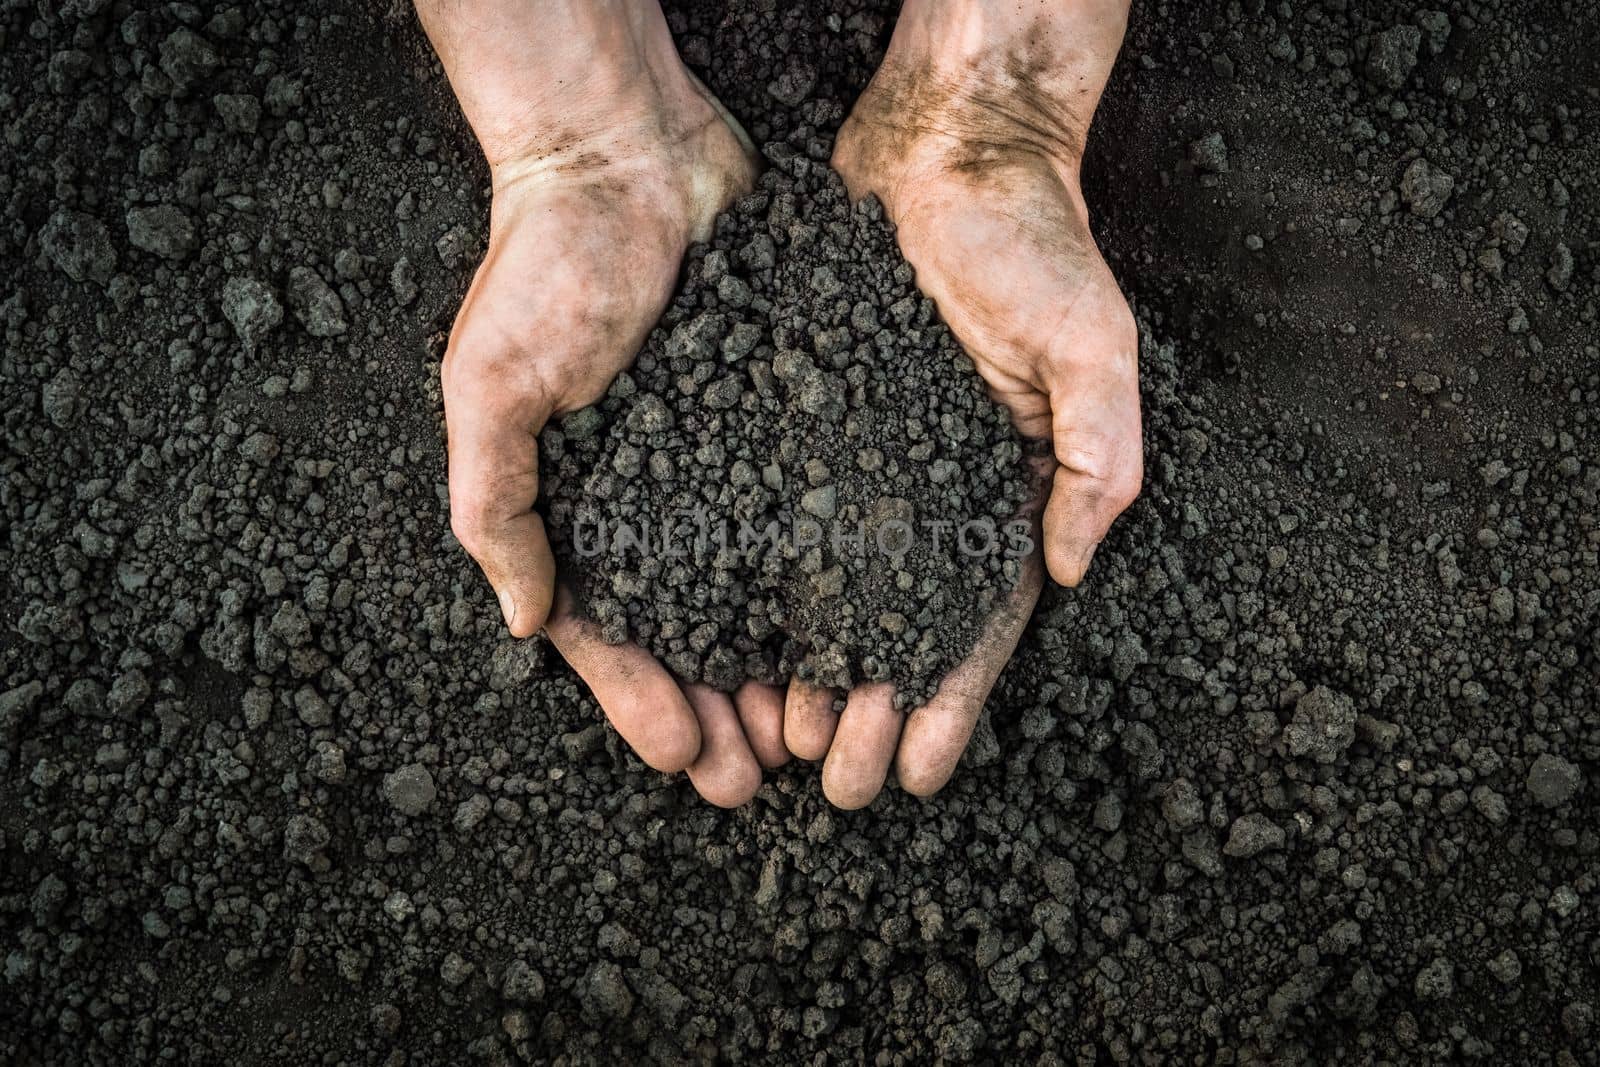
<point>558,309</point>
<point>1007,255</point>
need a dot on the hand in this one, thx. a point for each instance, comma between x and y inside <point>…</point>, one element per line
<point>595,200</point>
<point>858,744</point>
<point>971,134</point>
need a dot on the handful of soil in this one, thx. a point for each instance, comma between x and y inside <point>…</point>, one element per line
<point>802,474</point>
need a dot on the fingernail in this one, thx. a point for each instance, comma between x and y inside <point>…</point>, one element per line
<point>508,606</point>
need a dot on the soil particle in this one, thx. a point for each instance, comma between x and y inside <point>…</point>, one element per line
<point>315,303</point>
<point>251,308</point>
<point>80,245</point>
<point>410,789</point>
<point>163,230</point>
<point>1552,780</point>
<point>1209,154</point>
<point>1323,727</point>
<point>1253,834</point>
<point>1393,55</point>
<point>1425,189</point>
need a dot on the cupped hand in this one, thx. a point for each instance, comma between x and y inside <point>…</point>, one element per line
<point>977,166</point>
<point>585,243</point>
<point>858,744</point>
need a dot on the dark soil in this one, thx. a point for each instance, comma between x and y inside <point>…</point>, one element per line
<point>1308,770</point>
<point>802,474</point>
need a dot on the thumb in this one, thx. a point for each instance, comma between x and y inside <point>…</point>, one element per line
<point>494,480</point>
<point>1094,413</point>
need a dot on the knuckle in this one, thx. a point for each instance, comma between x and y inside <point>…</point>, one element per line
<point>1123,488</point>
<point>484,371</point>
<point>1111,477</point>
<point>1126,328</point>
<point>463,355</point>
<point>469,371</point>
<point>469,528</point>
<point>1089,461</point>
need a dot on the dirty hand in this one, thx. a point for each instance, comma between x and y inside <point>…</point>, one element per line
<point>971,134</point>
<point>607,160</point>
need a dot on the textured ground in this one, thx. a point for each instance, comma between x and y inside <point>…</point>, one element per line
<point>1309,770</point>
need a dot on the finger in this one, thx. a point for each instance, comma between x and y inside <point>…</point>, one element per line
<point>494,480</point>
<point>760,709</point>
<point>808,720</point>
<point>937,733</point>
<point>638,696</point>
<point>725,773</point>
<point>1094,402</point>
<point>863,746</point>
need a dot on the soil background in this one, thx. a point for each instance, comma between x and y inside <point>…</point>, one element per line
<point>1305,772</point>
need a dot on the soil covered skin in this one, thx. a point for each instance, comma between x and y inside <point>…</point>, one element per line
<point>802,473</point>
<point>1307,771</point>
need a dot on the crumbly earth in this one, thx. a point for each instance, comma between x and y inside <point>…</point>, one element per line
<point>802,473</point>
<point>1308,771</point>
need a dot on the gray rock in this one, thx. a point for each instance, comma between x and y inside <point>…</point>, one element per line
<point>1143,751</point>
<point>162,230</point>
<point>1324,725</point>
<point>15,701</point>
<point>327,763</point>
<point>457,248</point>
<point>1181,806</point>
<point>311,708</point>
<point>403,282</point>
<point>1435,26</point>
<point>1552,780</point>
<point>1511,231</point>
<point>1425,190</point>
<point>521,984</point>
<point>792,86</point>
<point>251,308</point>
<point>60,397</point>
<point>604,993</point>
<point>79,245</point>
<point>470,813</point>
<point>1251,835</point>
<point>1491,805</point>
<point>1436,981</point>
<point>1108,811</point>
<point>454,969</point>
<point>410,789</point>
<point>187,57</point>
<point>821,502</point>
<point>723,393</point>
<point>822,395</point>
<point>315,304</point>
<point>304,838</point>
<point>1393,56</point>
<point>240,112</point>
<point>1561,267</point>
<point>1506,967</point>
<point>1209,154</point>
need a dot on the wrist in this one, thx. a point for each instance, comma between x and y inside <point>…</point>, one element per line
<point>1006,76</point>
<point>558,80</point>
